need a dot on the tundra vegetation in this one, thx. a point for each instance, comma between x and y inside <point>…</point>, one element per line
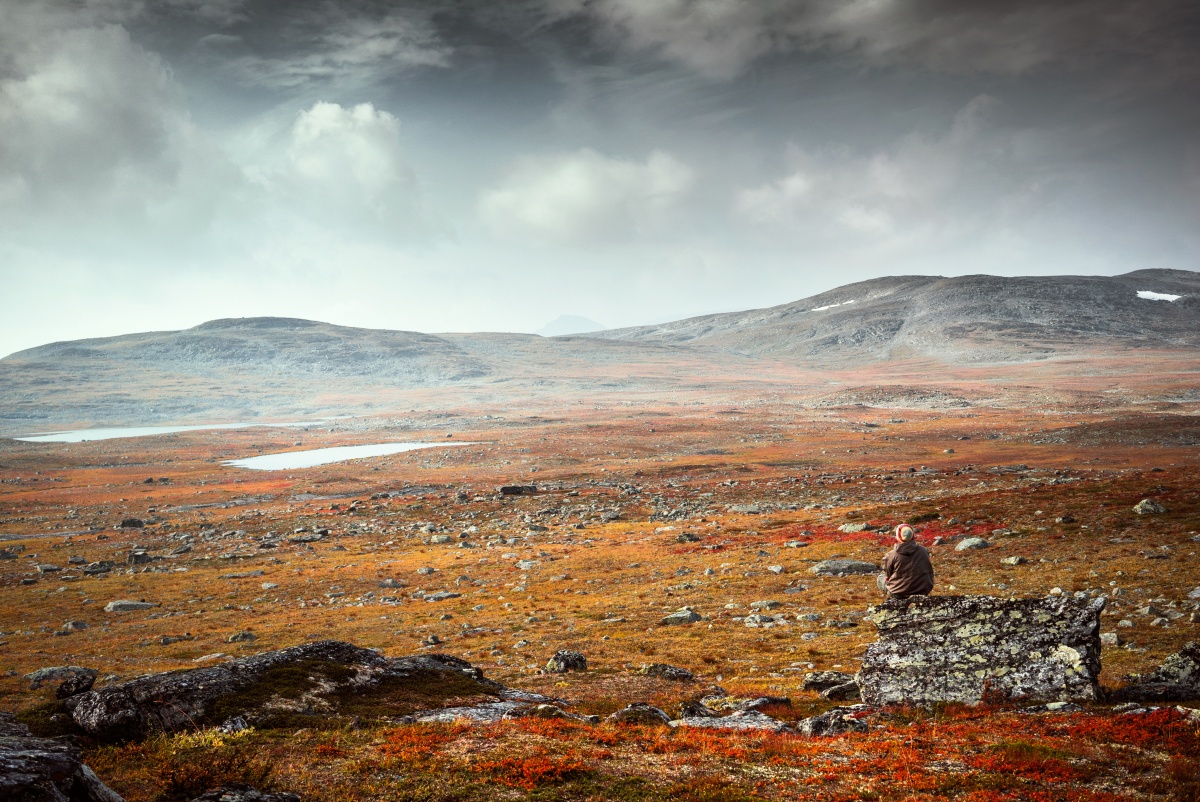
<point>722,506</point>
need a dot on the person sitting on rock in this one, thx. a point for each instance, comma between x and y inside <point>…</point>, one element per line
<point>907,570</point>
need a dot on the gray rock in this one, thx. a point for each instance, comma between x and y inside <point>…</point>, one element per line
<point>846,692</point>
<point>57,674</point>
<point>241,637</point>
<point>517,490</point>
<point>765,605</point>
<point>45,769</point>
<point>1013,561</point>
<point>838,567</point>
<point>640,713</point>
<point>824,680</point>
<point>683,616</point>
<point>838,721</point>
<point>1148,506</point>
<point>126,606</point>
<point>694,708</point>
<point>243,793</point>
<point>180,700</point>
<point>971,543</point>
<point>687,537</point>
<point>99,567</point>
<point>853,528</point>
<point>667,672</point>
<point>565,660</point>
<point>748,720</point>
<point>1110,639</point>
<point>1176,680</point>
<point>75,685</point>
<point>953,649</point>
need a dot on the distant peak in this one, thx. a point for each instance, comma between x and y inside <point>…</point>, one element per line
<point>569,324</point>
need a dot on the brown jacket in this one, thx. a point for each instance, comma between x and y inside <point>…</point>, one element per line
<point>908,570</point>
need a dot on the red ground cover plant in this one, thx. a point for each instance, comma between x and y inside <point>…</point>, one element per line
<point>421,742</point>
<point>536,768</point>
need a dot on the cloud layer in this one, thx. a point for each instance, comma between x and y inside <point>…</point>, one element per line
<point>400,164</point>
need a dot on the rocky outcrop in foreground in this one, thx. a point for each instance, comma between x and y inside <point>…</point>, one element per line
<point>45,769</point>
<point>326,677</point>
<point>963,648</point>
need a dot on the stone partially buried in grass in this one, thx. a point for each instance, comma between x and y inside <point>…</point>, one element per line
<point>844,567</point>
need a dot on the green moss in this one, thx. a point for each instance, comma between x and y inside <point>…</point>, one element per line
<point>400,696</point>
<point>389,698</point>
<point>280,682</point>
<point>49,720</point>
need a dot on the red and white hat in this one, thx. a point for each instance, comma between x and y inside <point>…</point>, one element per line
<point>905,532</point>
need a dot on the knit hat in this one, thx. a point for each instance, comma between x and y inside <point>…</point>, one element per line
<point>904,533</point>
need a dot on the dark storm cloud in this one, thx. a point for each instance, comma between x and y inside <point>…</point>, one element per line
<point>622,159</point>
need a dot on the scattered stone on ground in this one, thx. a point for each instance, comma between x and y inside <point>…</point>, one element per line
<point>640,713</point>
<point>837,721</point>
<point>565,660</point>
<point>1148,506</point>
<point>839,567</point>
<point>243,793</point>
<point>971,543</point>
<point>667,672</point>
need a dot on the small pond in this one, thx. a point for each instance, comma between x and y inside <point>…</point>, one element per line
<point>312,457</point>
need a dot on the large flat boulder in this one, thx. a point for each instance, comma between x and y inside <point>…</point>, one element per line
<point>326,678</point>
<point>963,648</point>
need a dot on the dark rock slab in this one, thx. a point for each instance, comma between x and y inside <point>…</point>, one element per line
<point>319,676</point>
<point>45,769</point>
<point>961,648</point>
<point>840,567</point>
<point>824,680</point>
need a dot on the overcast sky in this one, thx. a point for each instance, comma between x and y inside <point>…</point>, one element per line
<point>480,165</point>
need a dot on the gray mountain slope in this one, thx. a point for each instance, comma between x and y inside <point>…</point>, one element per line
<point>959,319</point>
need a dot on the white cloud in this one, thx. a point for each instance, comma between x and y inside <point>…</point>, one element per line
<point>95,133</point>
<point>345,168</point>
<point>585,197</point>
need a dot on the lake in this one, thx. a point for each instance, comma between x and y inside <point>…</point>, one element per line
<point>84,435</point>
<point>312,457</point>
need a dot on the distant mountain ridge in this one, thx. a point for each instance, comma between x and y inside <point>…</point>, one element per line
<point>959,319</point>
<point>237,369</point>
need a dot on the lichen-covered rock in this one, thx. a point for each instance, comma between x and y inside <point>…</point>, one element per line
<point>312,678</point>
<point>565,660</point>
<point>837,567</point>
<point>1148,506</point>
<point>640,713</point>
<point>1176,680</point>
<point>667,672</point>
<point>961,648</point>
<point>838,721</point>
<point>45,769</point>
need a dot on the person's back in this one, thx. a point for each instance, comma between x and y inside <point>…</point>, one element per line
<point>907,569</point>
